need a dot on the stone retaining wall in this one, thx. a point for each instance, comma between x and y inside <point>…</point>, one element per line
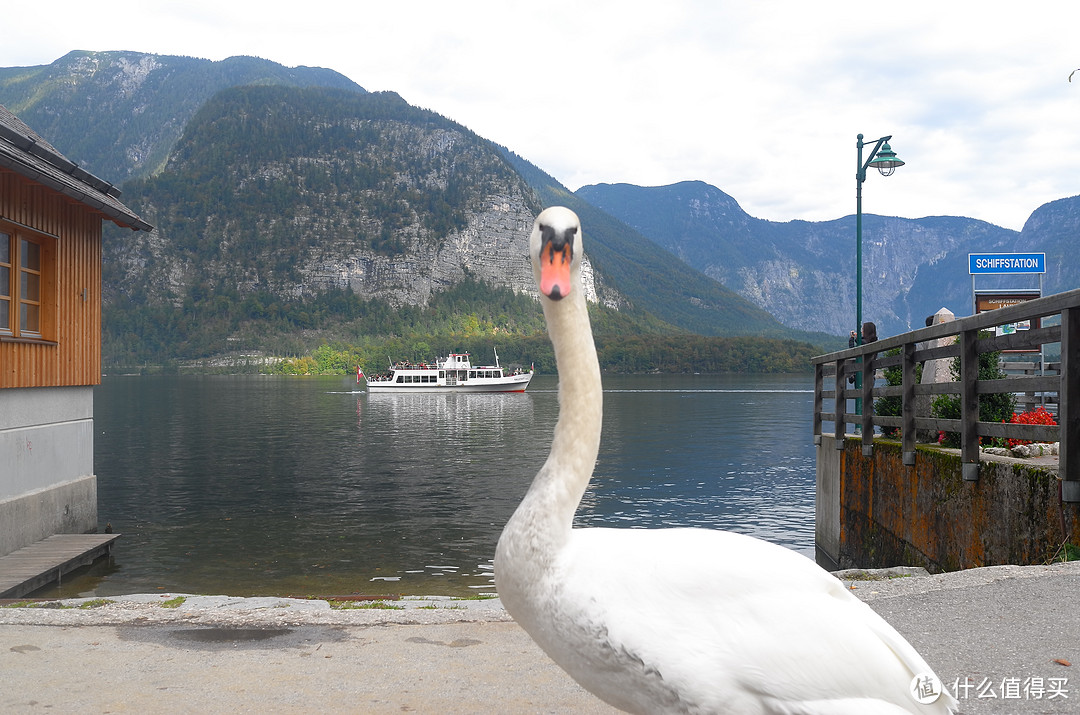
<point>874,512</point>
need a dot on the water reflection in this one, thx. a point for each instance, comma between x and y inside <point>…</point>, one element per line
<point>258,485</point>
<point>726,452</point>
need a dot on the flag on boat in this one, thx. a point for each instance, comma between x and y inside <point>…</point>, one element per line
<point>359,374</point>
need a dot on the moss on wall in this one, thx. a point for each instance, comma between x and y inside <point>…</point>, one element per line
<point>927,515</point>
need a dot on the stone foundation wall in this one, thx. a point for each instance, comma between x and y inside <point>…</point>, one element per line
<point>67,508</point>
<point>47,481</point>
<point>927,515</point>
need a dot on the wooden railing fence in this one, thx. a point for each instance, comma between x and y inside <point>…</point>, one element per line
<point>1060,323</point>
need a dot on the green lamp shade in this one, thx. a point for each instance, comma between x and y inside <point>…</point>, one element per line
<point>886,160</point>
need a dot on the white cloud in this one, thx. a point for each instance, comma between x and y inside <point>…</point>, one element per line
<point>762,100</point>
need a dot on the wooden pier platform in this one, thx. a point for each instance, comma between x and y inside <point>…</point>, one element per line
<point>46,561</point>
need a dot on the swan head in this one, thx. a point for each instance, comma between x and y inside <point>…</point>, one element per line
<point>555,248</point>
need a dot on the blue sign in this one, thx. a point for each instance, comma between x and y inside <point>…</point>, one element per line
<point>1006,263</point>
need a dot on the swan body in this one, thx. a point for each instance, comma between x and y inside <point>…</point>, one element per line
<point>676,620</point>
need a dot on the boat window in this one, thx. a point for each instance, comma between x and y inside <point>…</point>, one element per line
<point>400,378</point>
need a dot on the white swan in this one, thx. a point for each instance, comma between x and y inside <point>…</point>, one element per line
<point>676,620</point>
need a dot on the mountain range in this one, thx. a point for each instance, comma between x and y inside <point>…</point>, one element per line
<point>294,195</point>
<point>804,272</point>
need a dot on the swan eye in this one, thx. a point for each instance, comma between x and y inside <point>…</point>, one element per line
<point>558,240</point>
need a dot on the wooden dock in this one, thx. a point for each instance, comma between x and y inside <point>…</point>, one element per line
<point>39,564</point>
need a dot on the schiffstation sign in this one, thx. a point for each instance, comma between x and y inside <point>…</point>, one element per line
<point>1006,263</point>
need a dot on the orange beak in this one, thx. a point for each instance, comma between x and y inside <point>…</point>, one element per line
<point>555,271</point>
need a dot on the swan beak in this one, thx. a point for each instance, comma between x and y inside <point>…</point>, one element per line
<point>555,270</point>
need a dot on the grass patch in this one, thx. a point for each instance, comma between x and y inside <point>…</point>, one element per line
<point>26,604</point>
<point>1066,552</point>
<point>354,605</point>
<point>173,602</point>
<point>95,603</point>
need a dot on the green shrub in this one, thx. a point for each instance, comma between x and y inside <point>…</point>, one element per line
<point>993,407</point>
<point>893,405</point>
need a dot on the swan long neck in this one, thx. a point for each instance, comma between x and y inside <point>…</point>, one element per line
<point>547,511</point>
<point>577,433</point>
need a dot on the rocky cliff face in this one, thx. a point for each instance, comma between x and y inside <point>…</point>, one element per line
<point>292,192</point>
<point>490,247</point>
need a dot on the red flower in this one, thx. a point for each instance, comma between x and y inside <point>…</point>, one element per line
<point>1038,416</point>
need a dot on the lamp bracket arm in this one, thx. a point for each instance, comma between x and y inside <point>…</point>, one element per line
<point>873,153</point>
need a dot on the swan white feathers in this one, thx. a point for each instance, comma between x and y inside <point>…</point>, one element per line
<point>676,620</point>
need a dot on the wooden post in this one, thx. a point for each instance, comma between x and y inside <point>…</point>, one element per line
<point>819,386</point>
<point>869,370</point>
<point>969,405</point>
<point>841,405</point>
<point>907,411</point>
<point>1069,406</point>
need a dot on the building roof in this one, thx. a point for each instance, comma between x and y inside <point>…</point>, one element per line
<point>27,154</point>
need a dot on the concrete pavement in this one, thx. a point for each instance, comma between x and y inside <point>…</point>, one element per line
<point>1006,639</point>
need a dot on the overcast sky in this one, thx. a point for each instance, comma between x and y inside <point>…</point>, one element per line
<point>761,99</point>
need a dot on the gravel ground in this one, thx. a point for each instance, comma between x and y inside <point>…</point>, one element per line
<point>1005,638</point>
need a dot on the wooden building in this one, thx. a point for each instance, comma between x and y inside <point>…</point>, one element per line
<point>51,214</point>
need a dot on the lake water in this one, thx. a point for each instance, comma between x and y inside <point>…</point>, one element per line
<point>257,485</point>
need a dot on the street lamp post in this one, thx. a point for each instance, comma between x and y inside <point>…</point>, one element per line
<point>884,159</point>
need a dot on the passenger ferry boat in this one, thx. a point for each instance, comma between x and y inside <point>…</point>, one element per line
<point>454,374</point>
